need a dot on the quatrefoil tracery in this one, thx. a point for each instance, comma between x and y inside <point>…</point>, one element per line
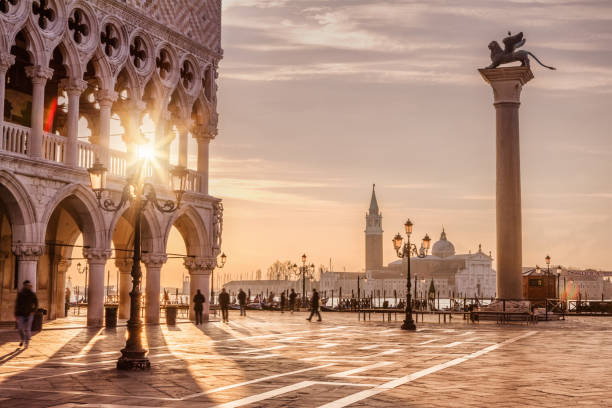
<point>138,52</point>
<point>163,63</point>
<point>77,24</point>
<point>5,5</point>
<point>44,12</point>
<point>109,40</point>
<point>187,75</point>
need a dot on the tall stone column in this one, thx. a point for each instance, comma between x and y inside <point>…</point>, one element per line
<point>96,259</point>
<point>162,143</point>
<point>105,99</point>
<point>204,134</point>
<point>199,278</point>
<point>6,61</point>
<point>62,266</point>
<point>27,263</point>
<point>132,112</point>
<point>183,145</point>
<point>154,263</point>
<point>125,286</point>
<point>74,88</point>
<point>39,76</point>
<point>507,84</point>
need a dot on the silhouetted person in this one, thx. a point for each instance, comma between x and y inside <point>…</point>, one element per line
<point>283,300</point>
<point>242,301</point>
<point>198,306</point>
<point>224,300</point>
<point>292,298</point>
<point>314,305</point>
<point>67,302</point>
<point>26,305</point>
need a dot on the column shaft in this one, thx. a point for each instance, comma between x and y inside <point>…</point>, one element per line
<point>125,286</point>
<point>39,76</point>
<point>203,144</point>
<point>6,60</point>
<point>27,263</point>
<point>74,89</point>
<point>199,280</point>
<point>95,291</point>
<point>183,146</point>
<point>105,100</point>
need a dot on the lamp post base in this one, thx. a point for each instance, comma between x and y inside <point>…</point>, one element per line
<point>409,324</point>
<point>133,360</point>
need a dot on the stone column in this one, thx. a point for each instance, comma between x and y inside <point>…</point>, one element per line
<point>6,61</point>
<point>133,109</point>
<point>203,134</point>
<point>74,88</point>
<point>39,76</point>
<point>162,145</point>
<point>125,285</point>
<point>105,99</point>
<point>199,278</point>
<point>27,263</point>
<point>62,266</point>
<point>183,148</point>
<point>153,262</point>
<point>507,84</point>
<point>95,292</point>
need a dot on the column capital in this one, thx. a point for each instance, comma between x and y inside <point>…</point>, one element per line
<point>95,255</point>
<point>165,115</point>
<point>106,97</point>
<point>507,82</point>
<point>39,73</point>
<point>200,265</point>
<point>205,132</point>
<point>124,264</point>
<point>184,125</point>
<point>73,86</point>
<point>154,260</point>
<point>27,252</point>
<point>6,61</point>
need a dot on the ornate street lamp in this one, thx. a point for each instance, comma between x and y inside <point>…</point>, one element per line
<point>547,259</point>
<point>405,251</point>
<point>139,194</point>
<point>81,271</point>
<point>304,270</point>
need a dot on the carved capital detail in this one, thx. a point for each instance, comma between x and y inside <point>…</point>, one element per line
<point>124,264</point>
<point>74,86</point>
<point>27,252</point>
<point>200,265</point>
<point>106,97</point>
<point>205,132</point>
<point>6,61</point>
<point>38,73</point>
<point>95,255</point>
<point>154,260</point>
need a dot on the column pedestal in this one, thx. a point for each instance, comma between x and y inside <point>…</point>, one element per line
<point>507,84</point>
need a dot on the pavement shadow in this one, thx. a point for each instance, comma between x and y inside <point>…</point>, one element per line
<point>9,356</point>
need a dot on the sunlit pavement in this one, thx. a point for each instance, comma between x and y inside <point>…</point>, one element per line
<point>273,360</point>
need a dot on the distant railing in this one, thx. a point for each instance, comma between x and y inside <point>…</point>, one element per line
<point>87,154</point>
<point>194,180</point>
<point>54,147</point>
<point>14,138</point>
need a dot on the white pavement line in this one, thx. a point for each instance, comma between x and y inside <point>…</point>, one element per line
<point>229,387</point>
<point>97,394</point>
<point>360,369</point>
<point>384,353</point>
<point>283,390</point>
<point>466,333</point>
<point>58,375</point>
<point>429,341</point>
<point>453,344</point>
<point>262,349</point>
<point>359,396</point>
<point>328,345</point>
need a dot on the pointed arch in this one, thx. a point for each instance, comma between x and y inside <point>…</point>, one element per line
<point>21,211</point>
<point>84,208</point>
<point>193,230</point>
<point>70,55</point>
<point>152,239</point>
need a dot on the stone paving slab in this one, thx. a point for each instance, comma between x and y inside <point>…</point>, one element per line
<point>273,360</point>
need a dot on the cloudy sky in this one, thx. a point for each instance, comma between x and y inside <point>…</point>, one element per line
<point>320,99</point>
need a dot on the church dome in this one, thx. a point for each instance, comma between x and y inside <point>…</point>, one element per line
<point>443,248</point>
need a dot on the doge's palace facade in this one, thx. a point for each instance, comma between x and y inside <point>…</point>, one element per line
<point>68,62</point>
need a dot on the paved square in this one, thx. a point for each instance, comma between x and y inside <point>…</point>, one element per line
<point>273,360</point>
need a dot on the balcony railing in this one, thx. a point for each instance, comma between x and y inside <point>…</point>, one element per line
<point>15,141</point>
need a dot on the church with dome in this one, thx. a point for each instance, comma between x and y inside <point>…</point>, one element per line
<point>457,275</point>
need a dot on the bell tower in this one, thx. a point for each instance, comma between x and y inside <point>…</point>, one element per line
<point>373,236</point>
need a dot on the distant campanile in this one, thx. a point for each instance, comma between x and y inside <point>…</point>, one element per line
<point>373,236</point>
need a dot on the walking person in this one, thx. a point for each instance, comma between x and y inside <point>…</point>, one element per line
<point>283,300</point>
<point>224,300</point>
<point>292,297</point>
<point>26,305</point>
<point>198,306</point>
<point>314,305</point>
<point>242,300</point>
